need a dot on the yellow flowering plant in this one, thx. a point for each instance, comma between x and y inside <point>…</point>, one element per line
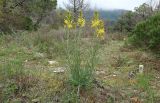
<point>68,22</point>
<point>100,30</point>
<point>98,25</point>
<point>95,21</point>
<point>81,20</point>
<point>80,61</point>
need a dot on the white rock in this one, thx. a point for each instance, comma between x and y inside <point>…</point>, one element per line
<point>141,68</point>
<point>26,61</point>
<point>114,75</point>
<point>58,69</point>
<point>100,72</point>
<point>52,62</point>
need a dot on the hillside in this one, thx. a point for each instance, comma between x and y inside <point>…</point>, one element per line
<point>111,15</point>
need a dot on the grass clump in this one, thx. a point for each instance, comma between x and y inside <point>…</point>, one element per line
<point>11,74</point>
<point>143,83</point>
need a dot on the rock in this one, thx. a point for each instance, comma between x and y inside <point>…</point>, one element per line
<point>141,68</point>
<point>114,75</point>
<point>52,62</point>
<point>58,70</point>
<point>100,72</point>
<point>26,61</point>
<point>36,100</point>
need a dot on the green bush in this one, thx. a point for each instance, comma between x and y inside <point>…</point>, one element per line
<point>28,24</point>
<point>15,22</point>
<point>147,33</point>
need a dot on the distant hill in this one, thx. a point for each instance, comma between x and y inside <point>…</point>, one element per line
<point>111,15</point>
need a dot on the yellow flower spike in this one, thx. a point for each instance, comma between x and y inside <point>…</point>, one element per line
<point>100,33</point>
<point>95,23</point>
<point>68,21</point>
<point>81,20</point>
<point>98,25</point>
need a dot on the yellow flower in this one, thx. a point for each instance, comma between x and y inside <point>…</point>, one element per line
<point>81,20</point>
<point>98,25</point>
<point>68,21</point>
<point>100,33</point>
<point>70,26</point>
<point>95,23</point>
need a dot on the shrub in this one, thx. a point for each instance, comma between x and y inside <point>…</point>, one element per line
<point>15,22</point>
<point>147,33</point>
<point>28,24</point>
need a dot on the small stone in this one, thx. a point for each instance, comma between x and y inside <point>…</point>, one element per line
<point>26,61</point>
<point>35,100</point>
<point>114,75</point>
<point>52,62</point>
<point>58,69</point>
<point>141,68</point>
<point>100,72</point>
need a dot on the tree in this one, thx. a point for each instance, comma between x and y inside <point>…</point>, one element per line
<point>24,14</point>
<point>146,33</point>
<point>143,11</point>
<point>158,6</point>
<point>75,6</point>
<point>126,22</point>
<point>39,9</point>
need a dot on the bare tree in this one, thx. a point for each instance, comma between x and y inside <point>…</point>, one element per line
<point>154,4</point>
<point>158,6</point>
<point>75,6</point>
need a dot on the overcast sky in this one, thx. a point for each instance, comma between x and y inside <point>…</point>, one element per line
<point>110,4</point>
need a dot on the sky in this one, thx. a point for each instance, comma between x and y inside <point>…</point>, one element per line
<point>109,4</point>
